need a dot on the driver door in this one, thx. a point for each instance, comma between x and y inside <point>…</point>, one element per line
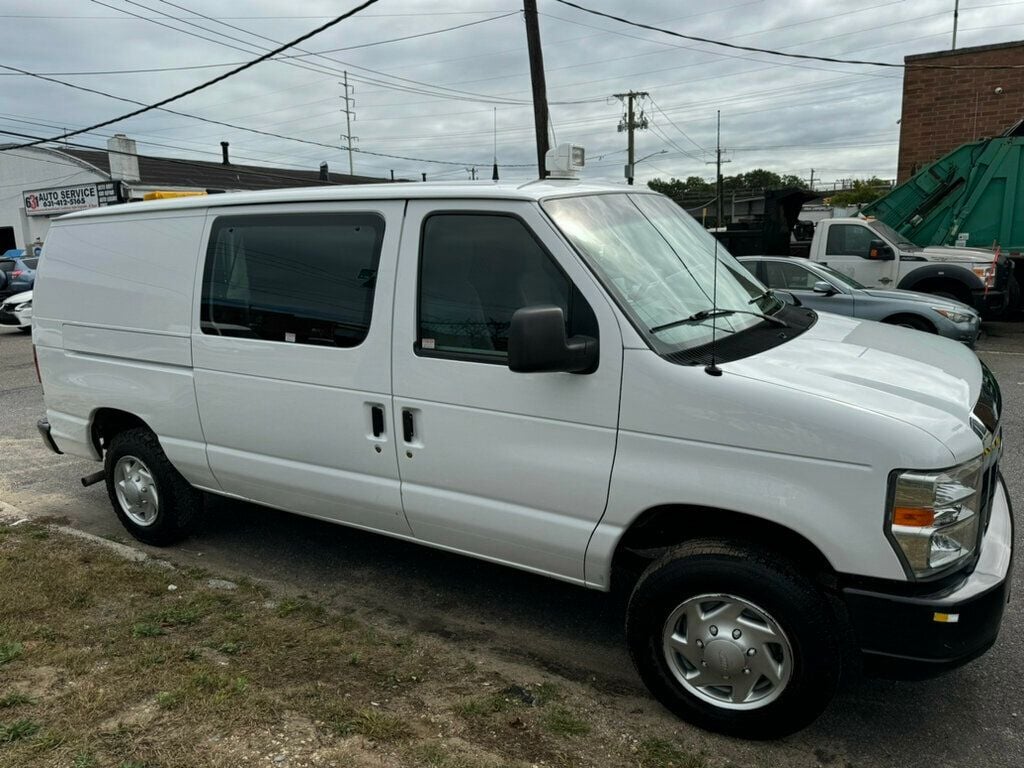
<point>511,467</point>
<point>848,250</point>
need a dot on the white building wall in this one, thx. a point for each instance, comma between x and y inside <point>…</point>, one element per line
<point>30,169</point>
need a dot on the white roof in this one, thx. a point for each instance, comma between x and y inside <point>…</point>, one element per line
<point>482,190</point>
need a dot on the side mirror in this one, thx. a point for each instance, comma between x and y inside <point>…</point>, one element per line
<point>825,287</point>
<point>879,250</point>
<point>789,298</point>
<point>537,343</point>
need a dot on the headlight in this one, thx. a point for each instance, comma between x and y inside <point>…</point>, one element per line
<point>933,517</point>
<point>987,274</point>
<point>23,307</point>
<point>954,315</point>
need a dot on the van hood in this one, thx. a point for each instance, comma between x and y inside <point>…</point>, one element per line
<point>913,377</point>
<point>950,253</point>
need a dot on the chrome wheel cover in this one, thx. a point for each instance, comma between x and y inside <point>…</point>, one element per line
<point>136,491</point>
<point>727,651</point>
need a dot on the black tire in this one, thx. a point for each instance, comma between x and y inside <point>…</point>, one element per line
<point>179,505</point>
<point>710,567</point>
<point>25,329</point>
<point>910,321</point>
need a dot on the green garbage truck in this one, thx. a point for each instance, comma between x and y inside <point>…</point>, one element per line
<point>971,197</point>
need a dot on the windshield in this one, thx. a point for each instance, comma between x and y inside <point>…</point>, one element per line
<point>893,236</point>
<point>839,277</point>
<point>659,264</point>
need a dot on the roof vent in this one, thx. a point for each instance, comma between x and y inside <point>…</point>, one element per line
<point>324,176</point>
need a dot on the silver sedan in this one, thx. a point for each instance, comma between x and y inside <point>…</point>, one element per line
<point>825,290</point>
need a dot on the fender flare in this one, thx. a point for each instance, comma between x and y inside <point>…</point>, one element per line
<point>956,273</point>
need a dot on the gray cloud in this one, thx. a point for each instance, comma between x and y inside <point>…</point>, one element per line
<point>789,116</point>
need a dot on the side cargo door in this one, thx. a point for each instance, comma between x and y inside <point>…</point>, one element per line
<point>508,466</point>
<point>291,350</point>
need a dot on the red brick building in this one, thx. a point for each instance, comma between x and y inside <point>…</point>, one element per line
<point>944,108</point>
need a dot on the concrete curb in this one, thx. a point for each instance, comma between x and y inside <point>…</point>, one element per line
<point>13,516</point>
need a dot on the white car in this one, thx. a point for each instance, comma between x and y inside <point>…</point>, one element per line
<point>572,379</point>
<point>16,311</point>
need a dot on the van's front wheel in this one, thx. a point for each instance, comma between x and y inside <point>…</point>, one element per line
<point>151,498</point>
<point>734,640</point>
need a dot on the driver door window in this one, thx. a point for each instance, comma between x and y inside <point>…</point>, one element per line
<point>849,240</point>
<point>789,277</point>
<point>476,270</point>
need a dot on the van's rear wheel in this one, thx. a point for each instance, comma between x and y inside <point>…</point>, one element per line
<point>151,498</point>
<point>733,640</point>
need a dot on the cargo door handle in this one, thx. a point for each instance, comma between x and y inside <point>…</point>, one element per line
<point>407,426</point>
<point>377,420</point>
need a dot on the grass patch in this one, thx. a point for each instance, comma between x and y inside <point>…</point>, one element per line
<point>17,730</point>
<point>381,726</point>
<point>12,700</point>
<point>147,629</point>
<point>118,672</point>
<point>10,651</point>
<point>562,722</point>
<point>662,753</point>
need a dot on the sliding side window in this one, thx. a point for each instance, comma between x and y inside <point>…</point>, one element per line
<point>294,278</point>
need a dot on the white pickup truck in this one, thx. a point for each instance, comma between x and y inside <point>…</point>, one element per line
<point>875,254</point>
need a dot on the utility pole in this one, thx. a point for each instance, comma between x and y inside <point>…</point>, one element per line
<point>631,123</point>
<point>812,180</point>
<point>718,172</point>
<point>540,93</point>
<point>494,171</point>
<point>349,117</point>
<point>956,17</point>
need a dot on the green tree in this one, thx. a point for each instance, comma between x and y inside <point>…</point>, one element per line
<point>861,192</point>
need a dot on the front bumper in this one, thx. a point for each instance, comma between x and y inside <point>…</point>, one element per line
<point>10,317</point>
<point>917,636</point>
<point>990,303</point>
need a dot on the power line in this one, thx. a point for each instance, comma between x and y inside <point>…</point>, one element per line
<point>681,131</point>
<point>213,81</point>
<point>770,52</point>
<point>152,70</point>
<point>234,126</point>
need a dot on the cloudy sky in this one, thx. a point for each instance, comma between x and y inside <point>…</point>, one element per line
<point>436,97</point>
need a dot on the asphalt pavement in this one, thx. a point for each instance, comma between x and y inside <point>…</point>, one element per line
<point>971,717</point>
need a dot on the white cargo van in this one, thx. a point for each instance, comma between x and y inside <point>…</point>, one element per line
<point>546,376</point>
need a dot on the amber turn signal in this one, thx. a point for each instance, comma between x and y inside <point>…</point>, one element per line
<point>917,517</point>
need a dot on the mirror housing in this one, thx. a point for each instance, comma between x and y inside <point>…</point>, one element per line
<point>825,287</point>
<point>537,343</point>
<point>879,250</point>
<point>789,298</point>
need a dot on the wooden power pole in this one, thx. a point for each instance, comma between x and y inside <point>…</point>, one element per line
<point>719,208</point>
<point>540,94</point>
<point>630,123</point>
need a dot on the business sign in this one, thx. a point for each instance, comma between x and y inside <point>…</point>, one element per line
<point>51,202</point>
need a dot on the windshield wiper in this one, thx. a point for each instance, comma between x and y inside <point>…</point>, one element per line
<point>766,292</point>
<point>706,314</point>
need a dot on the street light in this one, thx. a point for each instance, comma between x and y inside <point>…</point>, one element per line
<point>629,168</point>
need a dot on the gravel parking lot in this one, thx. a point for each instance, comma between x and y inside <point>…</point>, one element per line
<point>974,716</point>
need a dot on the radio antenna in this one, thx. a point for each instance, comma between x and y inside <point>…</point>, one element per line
<point>713,369</point>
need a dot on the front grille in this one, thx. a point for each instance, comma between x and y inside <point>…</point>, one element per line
<point>985,421</point>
